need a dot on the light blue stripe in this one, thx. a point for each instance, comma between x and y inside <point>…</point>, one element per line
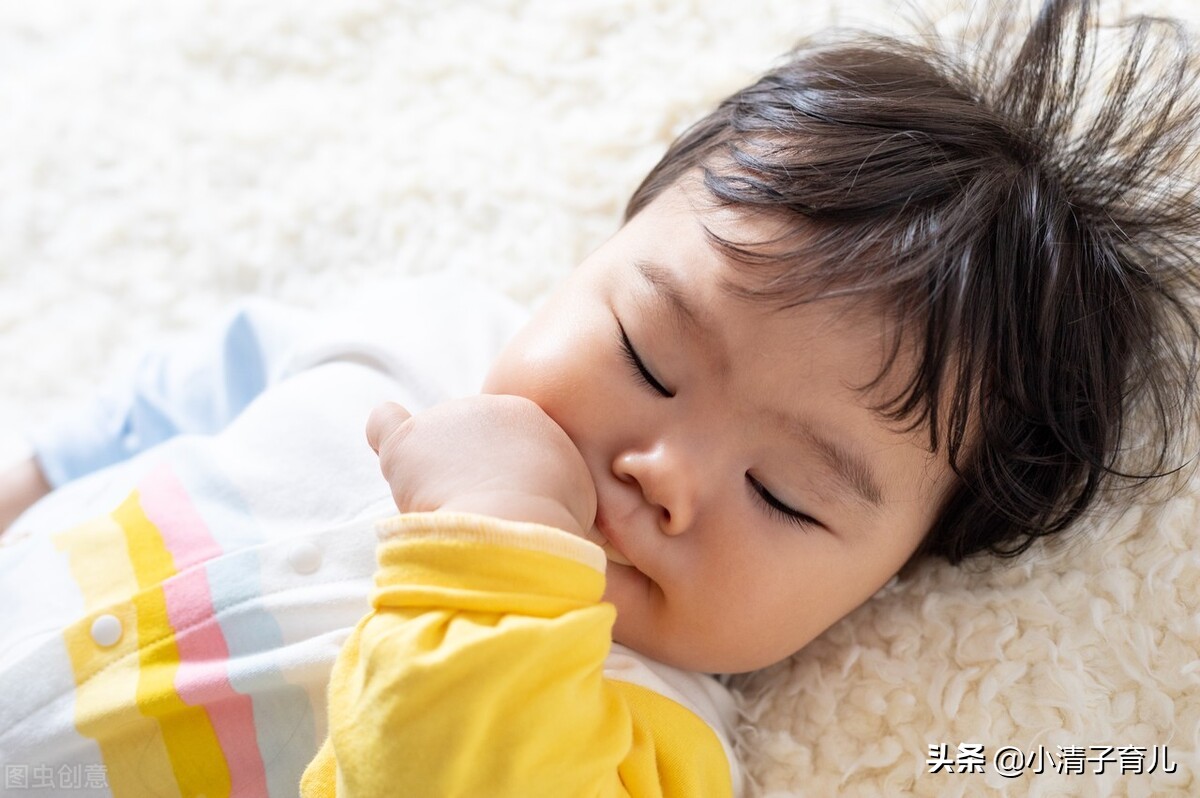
<point>283,714</point>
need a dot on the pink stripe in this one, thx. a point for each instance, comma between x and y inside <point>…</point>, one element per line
<point>166,503</point>
<point>203,675</point>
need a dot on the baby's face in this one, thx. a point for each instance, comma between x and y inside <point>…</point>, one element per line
<point>748,497</point>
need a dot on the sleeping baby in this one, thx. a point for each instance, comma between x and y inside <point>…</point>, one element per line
<point>879,306</point>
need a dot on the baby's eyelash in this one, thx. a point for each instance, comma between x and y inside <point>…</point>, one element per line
<point>639,368</point>
<point>777,508</point>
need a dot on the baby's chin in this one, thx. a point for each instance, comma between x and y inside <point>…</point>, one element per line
<point>625,587</point>
<point>637,598</point>
<point>692,650</point>
<point>634,596</point>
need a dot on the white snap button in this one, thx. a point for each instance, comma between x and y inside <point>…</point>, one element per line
<point>305,557</point>
<point>106,630</point>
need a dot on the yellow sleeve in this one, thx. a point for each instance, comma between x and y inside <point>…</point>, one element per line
<point>479,673</point>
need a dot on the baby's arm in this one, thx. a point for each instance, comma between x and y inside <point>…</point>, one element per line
<point>198,386</point>
<point>20,486</point>
<point>479,670</point>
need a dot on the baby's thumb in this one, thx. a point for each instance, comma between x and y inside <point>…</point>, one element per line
<point>383,420</point>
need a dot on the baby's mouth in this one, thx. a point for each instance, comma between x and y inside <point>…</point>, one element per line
<point>610,551</point>
<point>615,556</point>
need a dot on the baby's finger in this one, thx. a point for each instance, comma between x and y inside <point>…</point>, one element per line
<point>382,421</point>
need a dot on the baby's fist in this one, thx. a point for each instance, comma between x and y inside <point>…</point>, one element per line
<point>494,455</point>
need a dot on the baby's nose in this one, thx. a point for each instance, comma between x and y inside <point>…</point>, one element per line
<point>665,484</point>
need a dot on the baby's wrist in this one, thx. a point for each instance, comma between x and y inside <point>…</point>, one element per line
<point>517,506</point>
<point>21,485</point>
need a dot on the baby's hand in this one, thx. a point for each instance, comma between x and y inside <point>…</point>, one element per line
<point>21,485</point>
<point>494,455</point>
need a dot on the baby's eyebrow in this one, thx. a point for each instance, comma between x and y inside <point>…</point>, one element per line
<point>665,283</point>
<point>849,468</point>
<point>689,317</point>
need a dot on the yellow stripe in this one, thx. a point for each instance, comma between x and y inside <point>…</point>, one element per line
<point>131,744</point>
<point>149,737</point>
<point>192,744</point>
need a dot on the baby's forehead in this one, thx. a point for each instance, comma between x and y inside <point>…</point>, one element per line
<point>777,256</point>
<point>735,316</point>
<point>696,250</point>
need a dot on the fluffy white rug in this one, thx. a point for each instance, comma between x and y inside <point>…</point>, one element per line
<point>159,159</point>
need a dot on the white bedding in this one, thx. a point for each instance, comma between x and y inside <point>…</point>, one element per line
<point>159,159</point>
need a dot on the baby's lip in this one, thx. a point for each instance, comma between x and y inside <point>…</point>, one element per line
<point>606,542</point>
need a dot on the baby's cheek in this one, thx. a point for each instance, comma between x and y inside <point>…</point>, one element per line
<point>551,381</point>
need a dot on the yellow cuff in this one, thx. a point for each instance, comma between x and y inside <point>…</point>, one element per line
<point>482,529</point>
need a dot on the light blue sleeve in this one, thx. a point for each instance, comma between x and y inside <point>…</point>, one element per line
<point>197,387</point>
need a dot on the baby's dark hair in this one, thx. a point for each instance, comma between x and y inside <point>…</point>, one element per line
<point>1029,215</point>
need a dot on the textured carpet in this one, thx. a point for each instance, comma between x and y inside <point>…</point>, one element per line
<point>159,159</point>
